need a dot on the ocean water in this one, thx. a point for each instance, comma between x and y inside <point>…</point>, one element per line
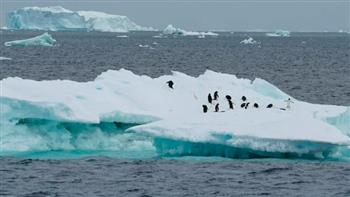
<point>313,67</point>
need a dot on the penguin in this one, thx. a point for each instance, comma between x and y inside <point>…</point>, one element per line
<point>170,84</point>
<point>269,106</point>
<point>205,108</point>
<point>243,105</point>
<point>244,98</point>
<point>228,97</point>
<point>256,105</point>
<point>230,103</point>
<point>217,107</point>
<point>246,106</point>
<point>216,95</point>
<point>210,99</point>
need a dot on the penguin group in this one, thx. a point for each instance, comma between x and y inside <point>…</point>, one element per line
<point>244,105</point>
<point>213,100</point>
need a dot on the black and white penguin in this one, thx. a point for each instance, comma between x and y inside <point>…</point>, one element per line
<point>216,95</point>
<point>244,98</point>
<point>217,107</point>
<point>210,99</point>
<point>246,106</point>
<point>228,97</point>
<point>170,84</point>
<point>269,106</point>
<point>243,105</point>
<point>230,104</point>
<point>256,105</point>
<point>205,108</point>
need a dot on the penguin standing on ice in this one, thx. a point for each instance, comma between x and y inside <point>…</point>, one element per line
<point>269,106</point>
<point>217,107</point>
<point>246,106</point>
<point>288,102</point>
<point>230,103</point>
<point>205,108</point>
<point>210,99</point>
<point>256,105</point>
<point>216,95</point>
<point>170,84</point>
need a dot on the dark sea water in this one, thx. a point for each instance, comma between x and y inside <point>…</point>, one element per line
<point>313,67</point>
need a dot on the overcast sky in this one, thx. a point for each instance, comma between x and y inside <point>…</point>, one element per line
<point>235,15</point>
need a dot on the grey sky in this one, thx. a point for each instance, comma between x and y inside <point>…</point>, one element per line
<point>236,15</point>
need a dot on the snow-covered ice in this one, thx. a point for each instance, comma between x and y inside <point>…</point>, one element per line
<point>44,39</point>
<point>57,18</point>
<point>173,118</point>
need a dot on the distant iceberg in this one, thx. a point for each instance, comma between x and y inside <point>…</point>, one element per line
<point>5,58</point>
<point>44,39</point>
<point>249,40</point>
<point>171,30</point>
<point>279,33</point>
<point>57,18</point>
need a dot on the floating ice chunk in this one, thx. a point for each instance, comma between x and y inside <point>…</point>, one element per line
<point>42,40</point>
<point>249,40</point>
<point>171,30</point>
<point>144,46</point>
<point>172,118</point>
<point>57,18</point>
<point>5,58</point>
<point>279,33</point>
<point>122,36</point>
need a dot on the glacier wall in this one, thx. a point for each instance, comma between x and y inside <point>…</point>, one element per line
<point>57,18</point>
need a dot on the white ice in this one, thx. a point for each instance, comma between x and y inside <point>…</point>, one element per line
<point>249,40</point>
<point>5,58</point>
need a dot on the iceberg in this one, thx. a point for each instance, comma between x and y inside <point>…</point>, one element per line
<point>249,40</point>
<point>122,111</point>
<point>42,40</point>
<point>279,33</point>
<point>57,18</point>
<point>171,30</point>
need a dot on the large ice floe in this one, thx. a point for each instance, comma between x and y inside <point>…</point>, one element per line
<point>122,111</point>
<point>57,18</point>
<point>171,30</point>
<point>279,33</point>
<point>44,39</point>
